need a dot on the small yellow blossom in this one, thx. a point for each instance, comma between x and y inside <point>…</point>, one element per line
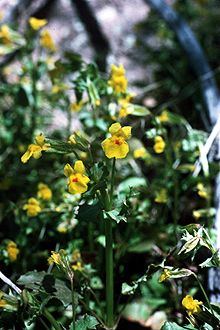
<point>77,179</point>
<point>78,266</point>
<point>61,230</point>
<point>3,302</point>
<point>5,35</point>
<point>36,23</point>
<point>44,192</point>
<point>12,251</point>
<point>163,118</point>
<point>202,191</point>
<point>72,140</point>
<point>1,16</point>
<point>75,107</point>
<point>47,42</point>
<point>140,153</point>
<point>56,257</point>
<point>97,103</point>
<point>117,81</point>
<point>192,306</point>
<point>161,196</point>
<point>116,146</point>
<point>196,214</point>
<point>164,275</point>
<point>159,144</point>
<point>33,207</point>
<point>35,150</point>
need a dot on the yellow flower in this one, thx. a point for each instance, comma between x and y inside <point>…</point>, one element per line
<point>12,251</point>
<point>118,82</point>
<point>116,146</point>
<point>140,153</point>
<point>35,150</point>
<point>125,111</point>
<point>161,196</point>
<point>192,306</point>
<point>5,34</point>
<point>75,107</point>
<point>36,23</point>
<point>196,214</point>
<point>72,140</point>
<point>202,191</point>
<point>3,302</point>
<point>164,275</point>
<point>44,192</point>
<point>163,118</point>
<point>47,42</point>
<point>77,179</point>
<point>33,207</point>
<point>56,257</point>
<point>159,144</point>
<point>78,266</point>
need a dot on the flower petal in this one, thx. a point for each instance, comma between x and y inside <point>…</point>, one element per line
<point>79,167</point>
<point>68,170</point>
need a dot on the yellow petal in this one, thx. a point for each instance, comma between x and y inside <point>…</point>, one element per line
<point>114,128</point>
<point>68,170</point>
<point>26,156</point>
<point>79,167</point>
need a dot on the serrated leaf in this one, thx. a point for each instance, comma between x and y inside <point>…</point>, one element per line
<point>210,262</point>
<point>87,322</point>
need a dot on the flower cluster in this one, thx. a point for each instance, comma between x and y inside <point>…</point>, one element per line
<point>118,82</point>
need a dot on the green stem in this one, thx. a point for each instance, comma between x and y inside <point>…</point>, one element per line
<point>109,273</point>
<point>206,297</point>
<point>73,304</point>
<point>112,182</point>
<point>51,319</point>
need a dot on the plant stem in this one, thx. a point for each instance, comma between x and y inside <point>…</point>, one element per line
<point>51,319</point>
<point>109,257</point>
<point>206,297</point>
<point>73,304</point>
<point>109,273</point>
<point>112,183</point>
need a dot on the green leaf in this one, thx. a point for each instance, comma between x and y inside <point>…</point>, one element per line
<point>88,212</point>
<point>43,282</point>
<point>174,326</point>
<point>139,111</point>
<point>58,146</point>
<point>87,322</point>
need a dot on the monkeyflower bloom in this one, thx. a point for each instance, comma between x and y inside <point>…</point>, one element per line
<point>161,196</point>
<point>116,146</point>
<point>77,179</point>
<point>56,257</point>
<point>33,207</point>
<point>117,81</point>
<point>140,153</point>
<point>44,192</point>
<point>159,144</point>
<point>192,305</point>
<point>12,251</point>
<point>5,34</point>
<point>47,42</point>
<point>164,275</point>
<point>163,118</point>
<point>202,191</point>
<point>76,106</point>
<point>196,214</point>
<point>36,23</point>
<point>3,302</point>
<point>35,150</point>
